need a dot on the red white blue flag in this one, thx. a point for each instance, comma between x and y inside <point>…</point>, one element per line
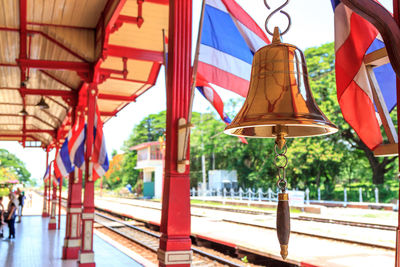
<point>76,142</point>
<point>62,164</point>
<point>212,96</point>
<point>229,39</point>
<point>46,176</point>
<point>354,38</point>
<point>100,157</point>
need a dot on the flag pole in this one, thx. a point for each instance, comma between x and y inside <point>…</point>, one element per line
<point>165,56</point>
<point>59,202</point>
<point>194,77</point>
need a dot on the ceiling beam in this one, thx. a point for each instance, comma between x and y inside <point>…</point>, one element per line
<point>55,65</point>
<point>116,97</point>
<point>47,92</point>
<point>108,114</point>
<point>135,53</point>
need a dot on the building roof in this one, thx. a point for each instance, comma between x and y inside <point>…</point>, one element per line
<point>52,48</point>
<point>144,145</point>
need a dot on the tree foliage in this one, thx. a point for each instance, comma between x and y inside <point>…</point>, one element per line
<point>339,159</point>
<point>12,167</point>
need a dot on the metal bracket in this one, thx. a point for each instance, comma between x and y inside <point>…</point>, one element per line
<point>183,127</point>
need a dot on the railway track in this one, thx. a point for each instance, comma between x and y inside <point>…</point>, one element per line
<point>300,218</point>
<point>150,241</point>
<point>151,238</point>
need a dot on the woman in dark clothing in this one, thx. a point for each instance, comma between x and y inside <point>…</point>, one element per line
<point>21,200</point>
<point>10,215</point>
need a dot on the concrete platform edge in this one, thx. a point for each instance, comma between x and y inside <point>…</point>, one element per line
<point>130,253</point>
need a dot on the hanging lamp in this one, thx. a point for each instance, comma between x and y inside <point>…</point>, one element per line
<point>42,104</point>
<point>23,112</point>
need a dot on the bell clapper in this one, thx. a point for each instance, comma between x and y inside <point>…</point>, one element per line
<point>283,211</point>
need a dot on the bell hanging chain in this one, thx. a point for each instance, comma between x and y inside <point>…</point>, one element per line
<point>281,162</point>
<point>283,211</point>
<point>275,11</point>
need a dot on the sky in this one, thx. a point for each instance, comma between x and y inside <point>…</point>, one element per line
<point>312,25</point>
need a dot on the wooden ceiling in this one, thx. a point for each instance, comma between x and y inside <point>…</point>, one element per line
<point>52,49</point>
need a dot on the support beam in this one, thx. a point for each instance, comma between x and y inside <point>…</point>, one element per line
<point>155,69</point>
<point>175,243</point>
<point>117,97</point>
<point>108,114</point>
<point>55,65</point>
<point>135,53</point>
<point>131,20</point>
<point>57,43</point>
<point>48,92</point>
<point>60,26</point>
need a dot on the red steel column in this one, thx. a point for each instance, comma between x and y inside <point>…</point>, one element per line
<point>175,243</point>
<point>72,240</point>
<point>44,211</point>
<point>86,256</point>
<point>53,221</point>
<point>396,14</point>
<point>49,194</point>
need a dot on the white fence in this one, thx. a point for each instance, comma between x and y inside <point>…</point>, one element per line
<point>295,197</point>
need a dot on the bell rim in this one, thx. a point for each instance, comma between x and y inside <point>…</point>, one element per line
<point>329,126</point>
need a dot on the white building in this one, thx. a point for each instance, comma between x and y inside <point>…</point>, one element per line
<point>150,162</point>
<point>219,179</point>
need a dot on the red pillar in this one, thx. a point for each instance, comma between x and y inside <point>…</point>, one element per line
<point>53,220</point>
<point>44,211</point>
<point>86,256</point>
<point>48,196</point>
<point>72,240</point>
<point>175,243</point>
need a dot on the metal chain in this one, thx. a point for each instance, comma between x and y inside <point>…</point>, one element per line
<point>281,161</point>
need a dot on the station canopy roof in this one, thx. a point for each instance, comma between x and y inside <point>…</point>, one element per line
<point>52,48</point>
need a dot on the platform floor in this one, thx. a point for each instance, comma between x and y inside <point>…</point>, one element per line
<point>36,246</point>
<point>304,249</point>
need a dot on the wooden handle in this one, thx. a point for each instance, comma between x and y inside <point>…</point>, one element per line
<point>283,223</point>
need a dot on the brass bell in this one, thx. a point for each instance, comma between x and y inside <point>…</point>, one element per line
<point>279,101</point>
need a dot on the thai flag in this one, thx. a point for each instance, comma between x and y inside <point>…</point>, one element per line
<point>213,97</point>
<point>354,38</point>
<point>46,176</point>
<point>76,144</point>
<point>229,39</point>
<point>63,165</point>
<point>100,158</point>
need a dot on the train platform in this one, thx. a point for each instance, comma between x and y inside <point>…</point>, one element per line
<point>35,245</point>
<point>304,250</point>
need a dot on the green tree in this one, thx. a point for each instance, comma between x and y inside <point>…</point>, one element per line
<point>149,129</point>
<point>14,165</point>
<point>320,61</point>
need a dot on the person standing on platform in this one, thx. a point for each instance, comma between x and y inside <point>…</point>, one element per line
<point>2,223</point>
<point>11,214</point>
<point>21,200</point>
